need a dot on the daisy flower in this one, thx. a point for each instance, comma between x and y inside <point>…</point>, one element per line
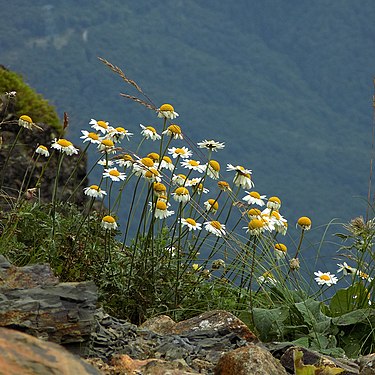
<point>325,278</point>
<point>242,177</point>
<point>364,276</point>
<point>304,222</point>
<point>159,189</point>
<point>142,165</point>
<point>107,145</point>
<point>154,156</point>
<point>224,186</point>
<point>64,146</point>
<point>281,224</point>
<point>194,165</point>
<point>166,163</point>
<point>94,191</point>
<point>174,131</point>
<point>152,175</point>
<point>42,150</point>
<point>149,133</point>
<point>25,121</point>
<point>118,134</point>
<point>182,152</point>
<point>280,250</point>
<point>106,163</point>
<point>215,228</point>
<point>211,205</point>
<point>267,278</point>
<point>167,111</point>
<point>197,185</point>
<point>109,223</point>
<point>213,169</point>
<point>191,224</point>
<point>255,227</point>
<point>211,145</point>
<point>179,179</point>
<point>253,197</point>
<point>346,269</point>
<point>126,161</point>
<point>274,203</point>
<point>99,126</point>
<point>181,194</point>
<point>254,213</point>
<point>114,174</point>
<point>161,210</point>
<point>90,137</point>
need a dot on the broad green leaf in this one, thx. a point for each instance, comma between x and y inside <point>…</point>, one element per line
<point>312,314</point>
<point>354,317</point>
<point>269,322</point>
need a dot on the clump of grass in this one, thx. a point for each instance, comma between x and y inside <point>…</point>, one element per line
<point>167,230</point>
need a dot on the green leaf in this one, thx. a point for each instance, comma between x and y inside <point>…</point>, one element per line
<point>269,322</point>
<point>313,316</point>
<point>355,317</point>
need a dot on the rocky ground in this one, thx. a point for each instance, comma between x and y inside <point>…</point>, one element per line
<point>55,328</point>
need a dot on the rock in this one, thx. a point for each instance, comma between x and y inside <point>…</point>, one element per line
<point>152,366</point>
<point>23,354</point>
<point>215,320</point>
<point>161,324</point>
<point>251,359</point>
<point>311,357</point>
<point>33,301</point>
<point>367,364</point>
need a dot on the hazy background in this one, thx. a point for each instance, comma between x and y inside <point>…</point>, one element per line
<point>287,85</point>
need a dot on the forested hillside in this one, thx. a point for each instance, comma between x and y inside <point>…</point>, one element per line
<point>286,85</point>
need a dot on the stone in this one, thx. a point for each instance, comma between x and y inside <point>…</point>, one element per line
<point>367,364</point>
<point>161,324</point>
<point>33,301</point>
<point>215,320</point>
<point>24,354</point>
<point>311,357</point>
<point>251,359</point>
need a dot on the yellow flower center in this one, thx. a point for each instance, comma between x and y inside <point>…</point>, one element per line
<point>182,191</point>
<point>254,194</point>
<point>153,156</point>
<point>109,219</point>
<point>276,215</point>
<point>151,173</point>
<point>223,185</point>
<point>107,143</point>
<point>324,277</point>
<point>121,130</point>
<point>214,204</point>
<point>166,107</point>
<point>127,157</point>
<point>148,162</point>
<point>159,187</point>
<point>275,200</point>
<point>160,205</point>
<point>93,136</point>
<point>214,165</point>
<point>268,274</point>
<point>167,159</point>
<point>182,176</point>
<point>102,124</point>
<point>304,221</point>
<point>191,221</point>
<point>175,129</point>
<point>43,147</point>
<point>26,118</point>
<point>114,172</point>
<point>254,212</point>
<point>281,247</point>
<point>180,151</point>
<point>216,224</point>
<point>193,163</point>
<point>256,224</point>
<point>64,143</point>
<point>94,187</point>
<point>151,129</point>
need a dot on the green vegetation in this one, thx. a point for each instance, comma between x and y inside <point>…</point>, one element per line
<point>27,100</point>
<point>195,236</point>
